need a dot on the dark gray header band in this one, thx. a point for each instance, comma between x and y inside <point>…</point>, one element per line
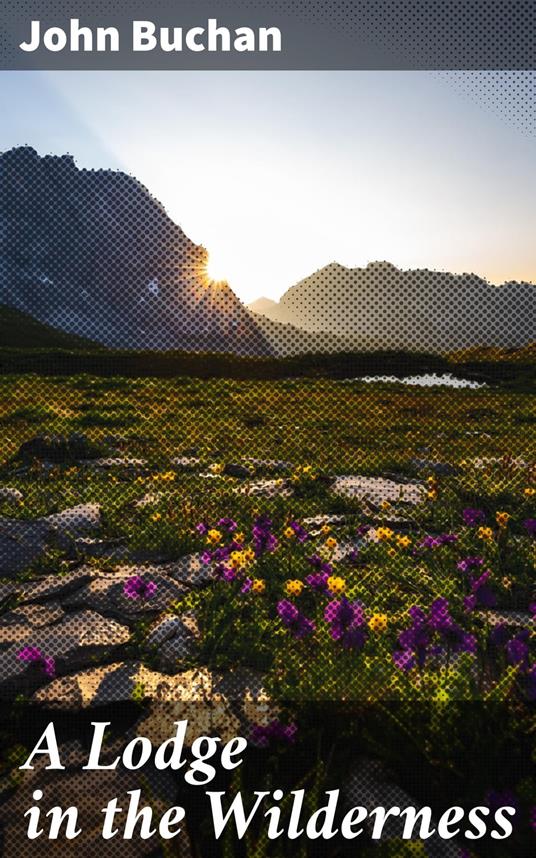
<point>338,34</point>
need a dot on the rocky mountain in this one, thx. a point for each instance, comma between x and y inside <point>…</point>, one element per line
<point>382,307</point>
<point>92,253</point>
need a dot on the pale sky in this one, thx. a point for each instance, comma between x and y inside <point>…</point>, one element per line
<point>280,173</point>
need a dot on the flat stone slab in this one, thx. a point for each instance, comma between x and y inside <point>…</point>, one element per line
<point>106,594</point>
<point>268,466</point>
<point>121,682</point>
<point>73,643</point>
<point>186,463</point>
<point>33,615</point>
<point>512,619</point>
<point>78,519</point>
<point>23,543</point>
<point>10,495</point>
<point>378,489</point>
<point>266,489</point>
<point>116,462</point>
<point>51,586</point>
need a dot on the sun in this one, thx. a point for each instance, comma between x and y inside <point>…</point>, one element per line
<point>214,271</point>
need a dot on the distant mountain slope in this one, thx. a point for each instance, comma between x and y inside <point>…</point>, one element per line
<point>287,340</point>
<point>91,252</point>
<point>18,330</point>
<point>382,307</point>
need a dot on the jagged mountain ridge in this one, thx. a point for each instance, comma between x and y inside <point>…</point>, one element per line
<point>91,252</point>
<point>383,307</point>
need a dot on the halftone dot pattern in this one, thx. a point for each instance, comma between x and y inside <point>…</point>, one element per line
<point>265,524</point>
<point>511,95</point>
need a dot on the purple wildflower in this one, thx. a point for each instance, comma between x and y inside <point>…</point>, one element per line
<point>227,573</point>
<point>202,528</point>
<point>261,734</point>
<point>473,517</point>
<point>32,654</point>
<point>247,585</point>
<point>136,587</point>
<point>469,563</point>
<point>347,623</point>
<point>317,581</point>
<point>517,649</point>
<point>300,532</point>
<point>481,593</point>
<point>437,541</point>
<point>418,641</point>
<point>530,526</point>
<point>296,622</point>
<point>229,524</point>
<point>264,540</point>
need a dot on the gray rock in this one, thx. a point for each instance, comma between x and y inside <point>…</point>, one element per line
<point>378,489</point>
<point>321,520</point>
<point>24,543</point>
<point>370,786</point>
<point>232,469</point>
<point>118,462</point>
<point>106,594</point>
<point>148,499</point>
<point>121,682</point>
<point>58,449</point>
<point>33,615</point>
<point>175,651</point>
<point>111,549</point>
<point>73,643</point>
<point>165,628</point>
<point>54,585</point>
<point>78,519</point>
<point>512,619</point>
<point>10,495</point>
<point>186,463</point>
<point>268,466</point>
<point>266,489</point>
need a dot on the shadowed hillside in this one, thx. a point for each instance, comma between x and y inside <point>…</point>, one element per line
<point>93,253</point>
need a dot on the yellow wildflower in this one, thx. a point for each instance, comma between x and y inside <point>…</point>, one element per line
<point>331,543</point>
<point>378,623</point>
<point>214,536</point>
<point>156,516</point>
<point>325,529</point>
<point>403,541</point>
<point>294,587</point>
<point>384,533</point>
<point>385,504</point>
<point>239,537</point>
<point>288,532</point>
<point>237,559</point>
<point>336,585</point>
<point>249,555</point>
<point>485,533</point>
<point>529,491</point>
<point>258,585</point>
<point>216,468</point>
<point>502,518</point>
